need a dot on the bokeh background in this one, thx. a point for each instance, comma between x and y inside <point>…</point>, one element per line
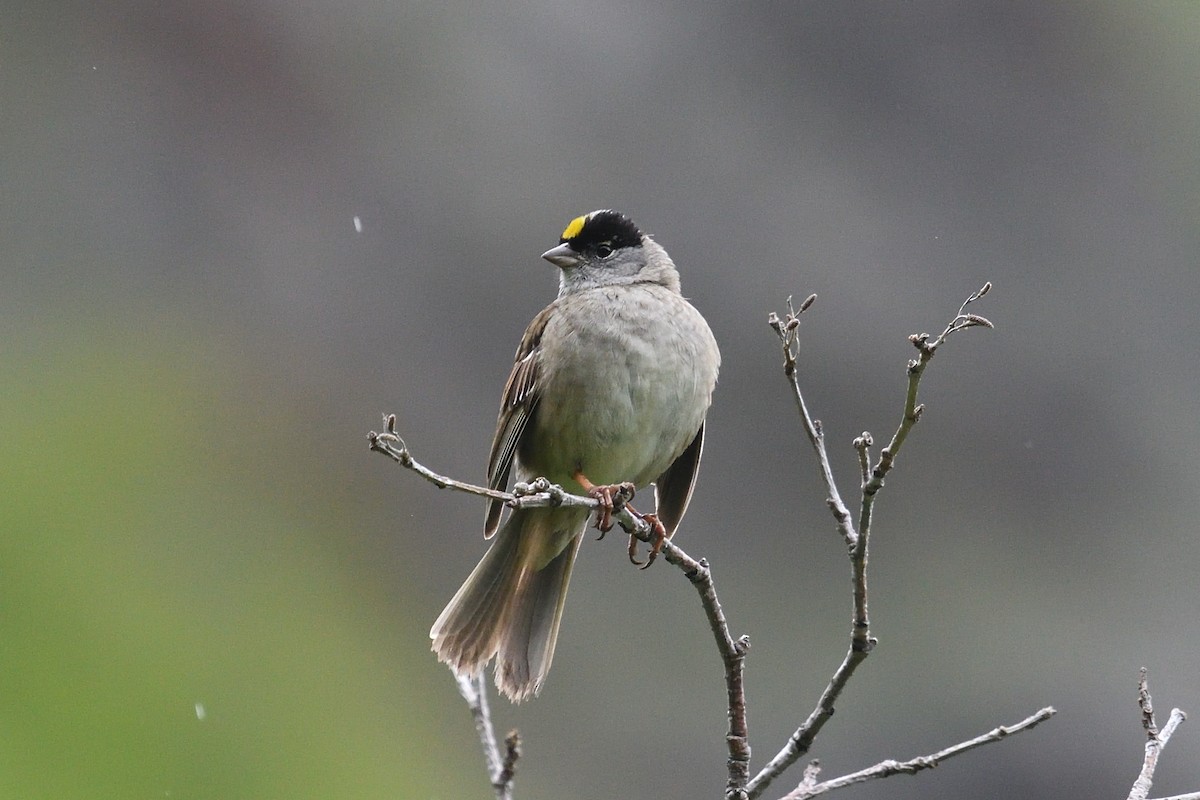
<point>209,588</point>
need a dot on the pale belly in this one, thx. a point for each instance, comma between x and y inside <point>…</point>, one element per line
<point>620,407</point>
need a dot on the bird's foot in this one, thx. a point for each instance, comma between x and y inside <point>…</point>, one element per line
<point>612,498</point>
<point>656,546</point>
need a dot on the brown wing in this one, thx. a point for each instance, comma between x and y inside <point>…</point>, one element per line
<point>673,489</point>
<point>517,405</point>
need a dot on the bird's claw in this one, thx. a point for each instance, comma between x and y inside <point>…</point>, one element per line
<point>612,499</point>
<point>656,546</point>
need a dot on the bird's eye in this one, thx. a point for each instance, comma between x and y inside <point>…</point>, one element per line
<point>604,250</point>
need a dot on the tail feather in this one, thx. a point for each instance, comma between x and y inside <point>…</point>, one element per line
<point>466,634</point>
<point>511,604</point>
<point>527,645</point>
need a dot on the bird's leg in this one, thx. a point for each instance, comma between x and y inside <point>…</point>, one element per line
<point>611,498</point>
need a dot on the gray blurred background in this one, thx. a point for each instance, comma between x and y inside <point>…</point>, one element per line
<point>211,589</point>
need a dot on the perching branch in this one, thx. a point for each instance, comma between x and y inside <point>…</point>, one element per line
<point>541,493</point>
<point>809,787</point>
<point>1156,740</point>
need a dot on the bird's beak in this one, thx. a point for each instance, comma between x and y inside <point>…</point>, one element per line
<point>562,256</point>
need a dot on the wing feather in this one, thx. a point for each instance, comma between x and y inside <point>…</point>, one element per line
<point>517,405</point>
<point>673,489</point>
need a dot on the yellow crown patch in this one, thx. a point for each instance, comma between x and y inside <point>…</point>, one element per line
<point>573,229</point>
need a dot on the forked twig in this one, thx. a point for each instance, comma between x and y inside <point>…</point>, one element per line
<point>856,538</point>
<point>1156,739</point>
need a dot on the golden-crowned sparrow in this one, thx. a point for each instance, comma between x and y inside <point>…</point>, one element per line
<point>611,383</point>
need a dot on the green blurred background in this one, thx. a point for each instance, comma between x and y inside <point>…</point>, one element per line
<point>210,589</point>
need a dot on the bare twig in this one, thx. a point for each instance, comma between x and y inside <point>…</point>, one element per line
<point>884,769</point>
<point>1156,739</point>
<point>1146,704</point>
<point>539,493</point>
<point>542,493</point>
<point>811,773</point>
<point>473,689</point>
<point>863,445</point>
<point>733,656</point>
<point>912,410</point>
<point>508,767</point>
<point>788,330</point>
<point>861,640</point>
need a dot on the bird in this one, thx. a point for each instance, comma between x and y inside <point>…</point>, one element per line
<point>610,385</point>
